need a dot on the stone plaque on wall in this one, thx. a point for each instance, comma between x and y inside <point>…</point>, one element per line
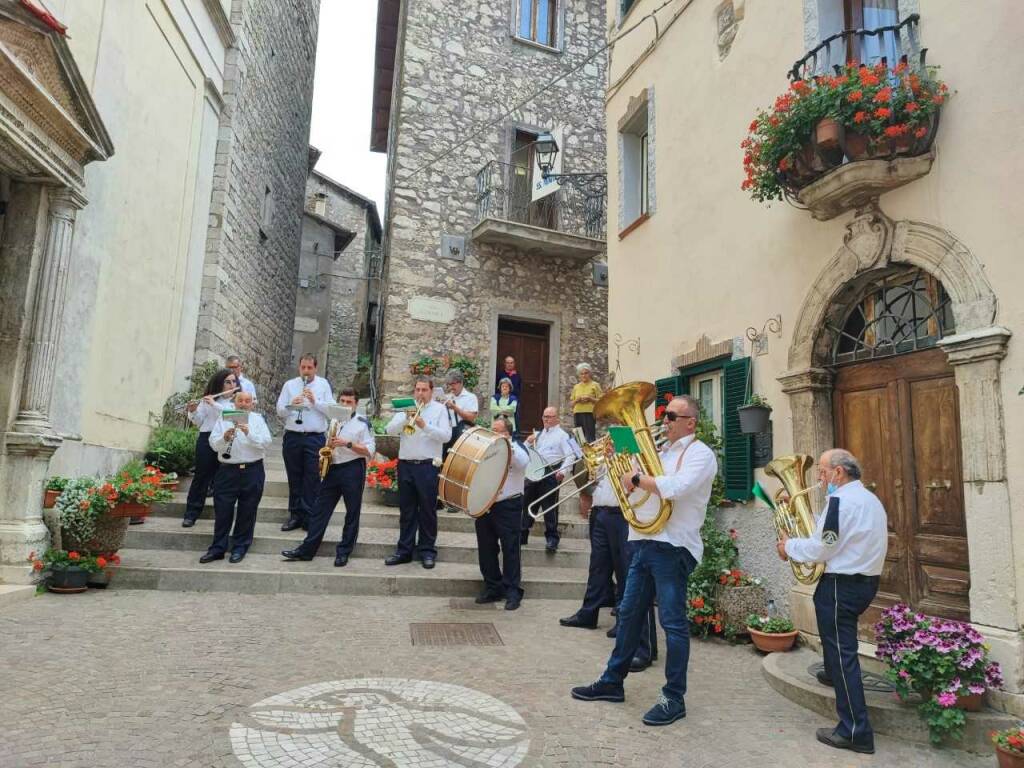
<point>453,247</point>
<point>432,310</point>
<point>306,324</point>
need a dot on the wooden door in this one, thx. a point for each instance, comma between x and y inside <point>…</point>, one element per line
<point>900,417</point>
<point>528,344</point>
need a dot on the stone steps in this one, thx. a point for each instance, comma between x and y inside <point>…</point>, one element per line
<point>269,574</point>
<point>787,674</point>
<point>166,533</point>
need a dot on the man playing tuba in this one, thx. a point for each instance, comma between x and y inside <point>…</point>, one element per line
<point>662,563</point>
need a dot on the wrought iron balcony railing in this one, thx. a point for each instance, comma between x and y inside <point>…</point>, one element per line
<point>504,192</point>
<point>891,44</point>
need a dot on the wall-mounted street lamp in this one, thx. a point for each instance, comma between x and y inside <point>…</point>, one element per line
<point>589,184</point>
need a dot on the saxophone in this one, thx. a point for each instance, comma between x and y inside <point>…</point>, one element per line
<point>327,453</point>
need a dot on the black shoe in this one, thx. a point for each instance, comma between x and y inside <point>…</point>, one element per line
<point>187,523</point>
<point>576,621</point>
<point>340,561</point>
<point>209,557</point>
<point>524,540</point>
<point>613,631</point>
<point>551,547</point>
<point>638,664</point>
<point>488,597</point>
<point>826,736</point>
<point>236,557</point>
<point>291,524</point>
<point>665,712</point>
<point>614,611</point>
<point>397,560</point>
<point>295,554</point>
<point>513,603</point>
<point>823,678</point>
<point>599,692</point>
<point>428,562</point>
<point>136,521</point>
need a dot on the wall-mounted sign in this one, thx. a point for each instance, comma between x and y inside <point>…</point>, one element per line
<point>306,324</point>
<point>453,247</point>
<point>431,310</point>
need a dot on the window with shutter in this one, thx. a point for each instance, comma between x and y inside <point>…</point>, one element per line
<point>739,470</point>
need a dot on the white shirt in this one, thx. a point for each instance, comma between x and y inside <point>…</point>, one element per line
<point>247,386</point>
<point>555,445</point>
<point>516,473</point>
<point>244,448</point>
<point>206,416</point>
<point>688,487</point>
<point>863,535</point>
<point>424,443</point>
<point>313,418</point>
<point>357,430</point>
<point>467,402</point>
<point>604,495</point>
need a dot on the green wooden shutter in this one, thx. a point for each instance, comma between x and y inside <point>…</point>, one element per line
<point>671,384</point>
<point>626,5</point>
<point>739,470</point>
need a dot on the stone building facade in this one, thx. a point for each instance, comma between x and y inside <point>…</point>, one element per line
<point>339,279</point>
<point>251,272</point>
<point>474,265</point>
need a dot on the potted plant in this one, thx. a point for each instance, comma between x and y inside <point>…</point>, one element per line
<point>85,523</point>
<point>54,487</point>
<point>470,370</point>
<point>737,595</point>
<point>170,482</point>
<point>137,487</point>
<point>754,415</point>
<point>771,635</point>
<point>943,662</point>
<point>172,449</point>
<point>428,365</point>
<point>67,571</point>
<point>387,445</point>
<point>1009,747</point>
<point>382,476</point>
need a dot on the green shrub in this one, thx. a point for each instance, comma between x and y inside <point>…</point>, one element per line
<point>174,408</point>
<point>172,449</point>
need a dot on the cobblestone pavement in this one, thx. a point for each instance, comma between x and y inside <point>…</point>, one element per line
<point>160,679</point>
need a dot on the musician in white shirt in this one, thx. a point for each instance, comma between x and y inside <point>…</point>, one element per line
<point>662,562</point>
<point>851,539</point>
<point>205,413</point>
<point>419,458</point>
<point>498,529</point>
<point>302,406</point>
<point>353,444</point>
<point>234,364</point>
<point>560,452</point>
<point>462,406</point>
<point>239,481</point>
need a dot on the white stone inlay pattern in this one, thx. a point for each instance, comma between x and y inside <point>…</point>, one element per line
<point>380,723</point>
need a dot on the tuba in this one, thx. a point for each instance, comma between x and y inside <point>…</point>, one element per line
<point>793,516</point>
<point>625,405</point>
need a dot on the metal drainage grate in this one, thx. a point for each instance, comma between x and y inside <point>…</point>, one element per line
<point>459,633</point>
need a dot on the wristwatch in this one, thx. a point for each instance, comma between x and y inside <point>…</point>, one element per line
<point>635,480</point>
<point>349,445</point>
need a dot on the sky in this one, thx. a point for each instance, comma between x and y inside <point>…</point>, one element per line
<point>343,95</point>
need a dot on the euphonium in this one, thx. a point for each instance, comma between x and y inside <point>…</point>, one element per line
<point>625,405</point>
<point>327,453</point>
<point>793,516</point>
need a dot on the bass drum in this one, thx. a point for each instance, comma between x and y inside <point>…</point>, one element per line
<point>474,471</point>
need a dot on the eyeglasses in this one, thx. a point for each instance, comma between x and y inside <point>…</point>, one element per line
<point>673,416</point>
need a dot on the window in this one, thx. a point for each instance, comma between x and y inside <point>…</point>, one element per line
<point>537,21</point>
<point>625,7</point>
<point>721,386</point>
<point>636,162</point>
<point>835,16</point>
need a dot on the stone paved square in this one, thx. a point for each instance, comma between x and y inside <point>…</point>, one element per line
<point>136,679</point>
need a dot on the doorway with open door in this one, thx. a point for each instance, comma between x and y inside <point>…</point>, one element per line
<point>530,344</point>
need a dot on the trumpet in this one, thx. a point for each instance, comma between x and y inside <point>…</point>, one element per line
<point>410,419</point>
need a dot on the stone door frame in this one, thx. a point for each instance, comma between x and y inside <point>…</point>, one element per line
<point>554,344</point>
<point>874,242</point>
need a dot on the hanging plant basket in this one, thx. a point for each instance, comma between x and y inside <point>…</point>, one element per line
<point>754,418</point>
<point>68,580</point>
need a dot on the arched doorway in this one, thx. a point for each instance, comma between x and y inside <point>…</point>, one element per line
<point>895,406</point>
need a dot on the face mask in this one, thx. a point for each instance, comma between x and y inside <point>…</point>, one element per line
<point>832,488</point>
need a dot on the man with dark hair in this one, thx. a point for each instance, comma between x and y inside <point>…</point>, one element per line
<point>234,364</point>
<point>302,406</point>
<point>419,457</point>
<point>353,443</point>
<point>851,539</point>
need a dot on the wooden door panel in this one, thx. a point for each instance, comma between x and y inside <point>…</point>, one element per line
<point>531,353</point>
<point>936,435</point>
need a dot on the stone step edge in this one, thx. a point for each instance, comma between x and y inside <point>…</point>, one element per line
<point>887,715</point>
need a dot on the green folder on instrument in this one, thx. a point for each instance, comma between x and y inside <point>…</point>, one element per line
<point>235,417</point>
<point>402,403</point>
<point>624,439</point>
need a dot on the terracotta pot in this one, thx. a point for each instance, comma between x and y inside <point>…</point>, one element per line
<point>828,139</point>
<point>68,580</point>
<point>50,499</point>
<point>772,643</point>
<point>170,486</point>
<point>130,510</point>
<point>857,146</point>
<point>1008,759</point>
<point>970,703</point>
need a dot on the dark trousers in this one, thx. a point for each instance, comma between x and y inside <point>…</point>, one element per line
<point>534,491</point>
<point>838,602</point>
<point>588,423</point>
<point>343,481</point>
<point>302,465</point>
<point>417,506</point>
<point>236,497</point>
<point>656,567</point>
<point>498,530</point>
<point>457,431</point>
<point>206,469</point>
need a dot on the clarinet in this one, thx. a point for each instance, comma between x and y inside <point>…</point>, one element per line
<point>298,414</point>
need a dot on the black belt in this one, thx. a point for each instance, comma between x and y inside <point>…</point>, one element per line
<point>304,432</point>
<point>856,578</point>
<point>609,507</point>
<point>243,465</point>
<point>513,497</point>
<point>415,461</point>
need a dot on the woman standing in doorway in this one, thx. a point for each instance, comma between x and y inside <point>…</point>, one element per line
<point>505,404</point>
<point>584,394</point>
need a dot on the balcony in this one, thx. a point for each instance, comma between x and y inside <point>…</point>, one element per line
<point>567,223</point>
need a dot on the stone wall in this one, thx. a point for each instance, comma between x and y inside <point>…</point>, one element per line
<point>447,84</point>
<point>253,244</point>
